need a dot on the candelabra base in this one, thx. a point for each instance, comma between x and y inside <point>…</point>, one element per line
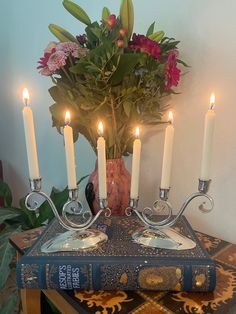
<point>166,238</point>
<point>88,239</point>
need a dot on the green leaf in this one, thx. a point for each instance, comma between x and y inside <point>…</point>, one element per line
<point>127,107</point>
<point>7,252</point>
<point>10,305</point>
<point>105,13</point>
<point>75,10</point>
<point>157,36</point>
<point>183,63</point>
<point>60,33</point>
<point>127,16</point>
<point>5,192</point>
<point>126,64</point>
<point>8,214</point>
<point>150,29</point>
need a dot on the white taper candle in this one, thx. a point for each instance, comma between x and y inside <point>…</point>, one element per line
<point>102,176</point>
<point>135,166</point>
<point>208,140</point>
<point>167,156</point>
<point>70,154</point>
<point>30,138</point>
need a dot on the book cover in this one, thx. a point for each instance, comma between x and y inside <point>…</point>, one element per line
<point>118,264</point>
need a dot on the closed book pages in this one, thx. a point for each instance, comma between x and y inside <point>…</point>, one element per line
<point>118,264</point>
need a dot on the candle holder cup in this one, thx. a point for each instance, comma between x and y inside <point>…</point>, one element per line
<point>79,235</point>
<point>158,233</point>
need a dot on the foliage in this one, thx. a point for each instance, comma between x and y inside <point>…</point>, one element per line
<point>110,74</point>
<point>16,219</point>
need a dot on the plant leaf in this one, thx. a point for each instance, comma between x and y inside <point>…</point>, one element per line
<point>60,33</point>
<point>8,214</point>
<point>10,305</point>
<point>127,107</point>
<point>105,13</point>
<point>7,252</point>
<point>5,192</point>
<point>127,16</point>
<point>157,36</point>
<point>75,10</point>
<point>150,29</point>
<point>126,64</point>
<point>183,63</point>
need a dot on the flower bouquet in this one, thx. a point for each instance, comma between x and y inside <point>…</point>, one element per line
<point>111,74</point>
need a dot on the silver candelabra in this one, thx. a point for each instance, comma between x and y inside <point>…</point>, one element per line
<point>158,233</point>
<point>79,235</point>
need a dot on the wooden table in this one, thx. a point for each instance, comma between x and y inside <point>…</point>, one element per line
<point>222,300</point>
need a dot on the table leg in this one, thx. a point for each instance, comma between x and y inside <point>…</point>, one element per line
<point>30,299</point>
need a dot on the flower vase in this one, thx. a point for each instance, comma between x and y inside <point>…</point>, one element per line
<point>118,187</point>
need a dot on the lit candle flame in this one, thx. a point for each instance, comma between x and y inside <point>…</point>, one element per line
<point>100,128</point>
<point>67,118</point>
<point>212,101</point>
<point>170,117</point>
<point>137,132</point>
<point>25,95</point>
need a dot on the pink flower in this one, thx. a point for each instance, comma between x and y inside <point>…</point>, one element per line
<point>147,45</point>
<point>172,72</point>
<point>45,71</point>
<point>56,61</point>
<point>50,46</point>
<point>73,49</point>
<point>69,48</point>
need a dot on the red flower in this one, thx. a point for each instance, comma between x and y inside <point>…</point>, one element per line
<point>111,21</point>
<point>122,31</point>
<point>147,45</point>
<point>172,72</point>
<point>120,43</point>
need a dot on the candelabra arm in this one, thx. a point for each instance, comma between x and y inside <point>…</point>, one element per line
<point>162,205</point>
<point>72,205</point>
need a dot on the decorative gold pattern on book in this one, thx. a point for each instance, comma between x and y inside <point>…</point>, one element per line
<point>160,278</point>
<point>109,301</point>
<point>201,274</point>
<point>197,302</point>
<point>132,277</point>
<point>29,275</point>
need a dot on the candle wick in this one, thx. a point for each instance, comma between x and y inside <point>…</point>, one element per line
<point>26,102</point>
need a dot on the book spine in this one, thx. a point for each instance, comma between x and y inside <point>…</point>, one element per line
<point>59,274</point>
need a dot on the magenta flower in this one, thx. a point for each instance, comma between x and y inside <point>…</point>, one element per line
<point>147,45</point>
<point>43,63</point>
<point>172,72</point>
<point>81,39</point>
<point>56,61</point>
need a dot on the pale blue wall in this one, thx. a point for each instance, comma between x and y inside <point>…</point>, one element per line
<point>206,29</point>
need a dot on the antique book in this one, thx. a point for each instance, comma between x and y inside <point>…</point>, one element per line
<point>119,263</point>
